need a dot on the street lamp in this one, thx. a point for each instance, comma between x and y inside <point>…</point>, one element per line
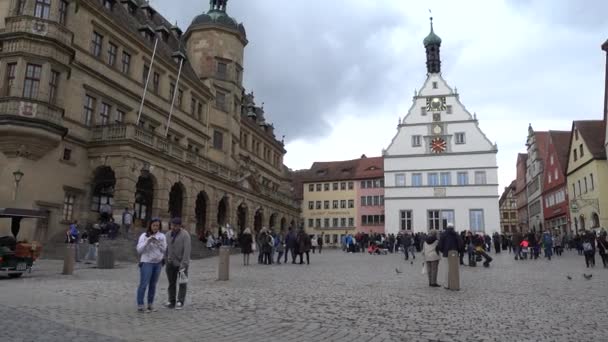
<point>18,175</point>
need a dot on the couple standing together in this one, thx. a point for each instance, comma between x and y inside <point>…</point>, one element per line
<point>157,249</point>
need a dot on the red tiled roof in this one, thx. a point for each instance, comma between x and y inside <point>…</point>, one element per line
<point>363,168</point>
<point>593,133</point>
<point>561,141</point>
<point>542,139</point>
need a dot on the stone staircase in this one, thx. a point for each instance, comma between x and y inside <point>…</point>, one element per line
<point>124,249</point>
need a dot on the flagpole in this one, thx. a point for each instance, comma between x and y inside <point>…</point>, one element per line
<point>143,97</point>
<point>175,91</point>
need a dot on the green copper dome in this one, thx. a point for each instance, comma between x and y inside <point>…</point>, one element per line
<point>217,16</point>
<point>432,38</point>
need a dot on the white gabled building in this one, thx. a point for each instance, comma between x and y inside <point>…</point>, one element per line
<point>440,168</point>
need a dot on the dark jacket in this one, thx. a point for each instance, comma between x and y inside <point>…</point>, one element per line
<point>304,244</point>
<point>246,240</point>
<point>449,241</point>
<point>94,235</point>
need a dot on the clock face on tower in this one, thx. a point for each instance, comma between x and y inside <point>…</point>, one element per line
<point>438,145</point>
<point>435,104</point>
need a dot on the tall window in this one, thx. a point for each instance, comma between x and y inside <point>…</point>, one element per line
<point>193,107</point>
<point>592,185</point>
<point>335,204</point>
<point>343,204</point>
<point>351,221</point>
<point>144,73</point>
<point>586,187</point>
<point>180,97</point>
<point>220,100</point>
<point>582,153</point>
<point>32,81</point>
<point>446,178</point>
<point>199,116</point>
<point>120,116</point>
<point>112,51</point>
<point>476,221</point>
<point>351,203</point>
<point>311,222</point>
<point>335,222</point>
<point>311,187</point>
<point>400,179</point>
<point>434,221</point>
<point>171,91</point>
<point>416,179</point>
<point>42,9</point>
<point>351,185</point>
<point>222,69</point>
<point>218,140</point>
<point>405,218</point>
<point>96,44</point>
<point>156,82</point>
<point>334,186</point>
<point>11,69</point>
<point>89,110</point>
<point>480,177</point>
<point>126,62</point>
<point>463,178</point>
<point>68,207</point>
<point>53,86</point>
<point>460,138</point>
<point>318,205</point>
<point>415,140</point>
<point>311,205</point>
<point>343,186</point>
<point>20,7</point>
<point>433,179</point>
<point>104,115</point>
<point>63,11</point>
<point>325,205</point>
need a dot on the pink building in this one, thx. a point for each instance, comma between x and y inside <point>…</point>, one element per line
<point>370,195</point>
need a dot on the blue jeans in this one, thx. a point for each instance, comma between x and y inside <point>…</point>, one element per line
<point>148,277</point>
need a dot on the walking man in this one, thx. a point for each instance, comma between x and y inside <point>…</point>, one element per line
<point>178,259</point>
<point>449,245</point>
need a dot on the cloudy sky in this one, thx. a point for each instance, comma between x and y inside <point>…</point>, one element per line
<point>336,75</point>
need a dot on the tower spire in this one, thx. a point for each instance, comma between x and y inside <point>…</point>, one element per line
<point>432,44</point>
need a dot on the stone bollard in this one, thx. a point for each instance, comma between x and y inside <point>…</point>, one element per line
<point>69,259</point>
<point>105,256</point>
<point>224,267</point>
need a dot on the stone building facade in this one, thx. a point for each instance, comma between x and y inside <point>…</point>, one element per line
<point>72,119</point>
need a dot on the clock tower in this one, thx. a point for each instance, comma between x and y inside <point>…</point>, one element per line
<point>448,163</point>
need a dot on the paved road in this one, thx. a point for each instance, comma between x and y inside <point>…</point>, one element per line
<point>339,297</point>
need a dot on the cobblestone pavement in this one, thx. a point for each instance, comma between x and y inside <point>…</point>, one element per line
<point>339,297</point>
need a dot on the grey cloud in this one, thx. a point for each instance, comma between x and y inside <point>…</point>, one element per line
<point>306,58</point>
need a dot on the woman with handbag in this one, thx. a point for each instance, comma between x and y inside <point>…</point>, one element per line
<point>151,247</point>
<point>430,253</point>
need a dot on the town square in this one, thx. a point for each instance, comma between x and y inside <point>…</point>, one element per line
<point>244,170</point>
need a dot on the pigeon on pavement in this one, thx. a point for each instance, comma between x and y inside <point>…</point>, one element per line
<point>587,276</point>
<point>397,270</point>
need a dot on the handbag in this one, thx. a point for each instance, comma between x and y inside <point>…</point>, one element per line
<point>424,268</point>
<point>182,278</point>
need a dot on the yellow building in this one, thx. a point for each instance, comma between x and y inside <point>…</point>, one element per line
<point>328,200</point>
<point>588,176</point>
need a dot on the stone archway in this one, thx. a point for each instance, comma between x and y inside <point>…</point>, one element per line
<point>102,200</point>
<point>283,223</point>
<point>272,221</point>
<point>200,212</point>
<point>292,224</point>
<point>595,220</point>
<point>258,220</point>
<point>144,197</point>
<point>222,211</point>
<point>241,217</point>
<point>176,200</point>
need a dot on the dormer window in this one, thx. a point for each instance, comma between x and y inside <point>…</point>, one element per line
<point>148,11</point>
<point>163,32</point>
<point>176,31</point>
<point>147,32</point>
<point>130,5</point>
<point>108,4</point>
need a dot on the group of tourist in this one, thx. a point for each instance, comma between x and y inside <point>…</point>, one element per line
<point>269,243</point>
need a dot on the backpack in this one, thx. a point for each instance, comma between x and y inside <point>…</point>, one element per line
<point>587,247</point>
